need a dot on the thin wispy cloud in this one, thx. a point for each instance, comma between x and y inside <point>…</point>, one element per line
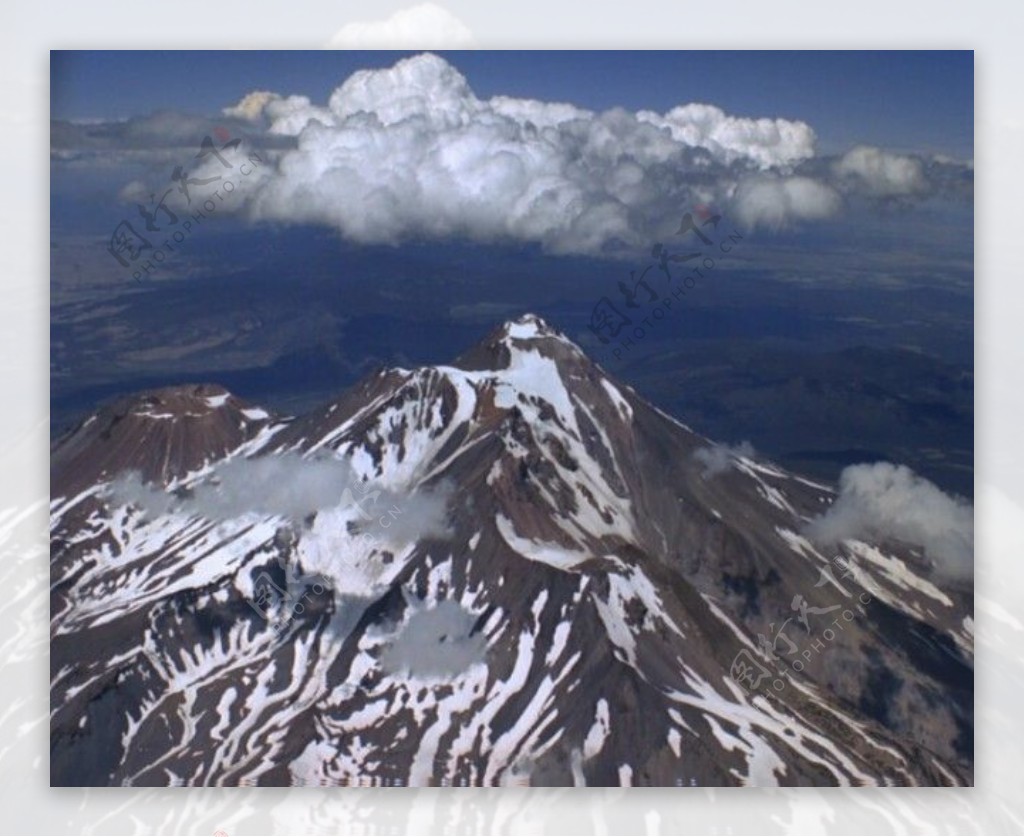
<point>719,458</point>
<point>293,487</point>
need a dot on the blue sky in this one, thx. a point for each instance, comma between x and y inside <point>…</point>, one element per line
<point>904,101</point>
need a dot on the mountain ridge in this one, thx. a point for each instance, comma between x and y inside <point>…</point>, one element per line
<point>608,597</point>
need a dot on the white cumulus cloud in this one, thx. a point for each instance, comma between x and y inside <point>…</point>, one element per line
<point>774,202</point>
<point>251,106</point>
<point>411,151</point>
<point>890,501</point>
<point>768,142</point>
<point>880,173</point>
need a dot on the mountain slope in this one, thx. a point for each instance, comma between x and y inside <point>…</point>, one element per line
<point>511,569</point>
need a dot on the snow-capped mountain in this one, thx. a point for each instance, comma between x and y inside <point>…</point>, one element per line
<point>508,570</point>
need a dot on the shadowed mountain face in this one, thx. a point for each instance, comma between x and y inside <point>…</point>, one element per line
<point>508,570</point>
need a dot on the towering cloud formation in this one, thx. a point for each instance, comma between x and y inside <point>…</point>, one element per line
<point>766,142</point>
<point>411,151</point>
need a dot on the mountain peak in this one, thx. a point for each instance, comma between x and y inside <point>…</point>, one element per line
<point>163,433</point>
<point>529,326</point>
<point>527,332</point>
